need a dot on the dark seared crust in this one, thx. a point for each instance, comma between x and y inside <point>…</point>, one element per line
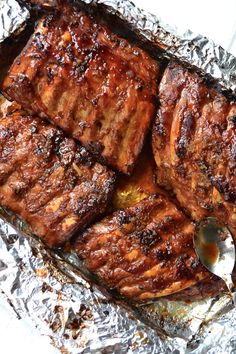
<point>140,185</point>
<point>144,251</point>
<point>91,83</point>
<point>48,180</point>
<point>208,287</point>
<point>194,144</point>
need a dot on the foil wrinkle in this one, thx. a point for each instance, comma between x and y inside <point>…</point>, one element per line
<point>12,17</point>
<point>191,48</point>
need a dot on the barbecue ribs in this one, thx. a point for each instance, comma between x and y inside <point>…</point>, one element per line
<point>144,251</point>
<point>194,144</point>
<point>47,179</point>
<point>93,84</point>
<point>132,189</point>
<point>208,287</point>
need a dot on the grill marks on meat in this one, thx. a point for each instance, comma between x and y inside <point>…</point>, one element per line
<point>194,143</point>
<point>93,84</point>
<point>144,251</point>
<point>48,180</point>
<point>101,90</point>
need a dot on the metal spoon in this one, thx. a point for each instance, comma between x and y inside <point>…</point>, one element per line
<point>215,248</point>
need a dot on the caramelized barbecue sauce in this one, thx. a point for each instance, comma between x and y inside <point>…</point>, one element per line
<point>133,194</point>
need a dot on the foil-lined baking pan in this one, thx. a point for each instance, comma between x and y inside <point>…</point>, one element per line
<point>53,289</point>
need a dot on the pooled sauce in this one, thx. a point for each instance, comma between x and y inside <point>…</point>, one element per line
<point>210,233</point>
<point>210,252</point>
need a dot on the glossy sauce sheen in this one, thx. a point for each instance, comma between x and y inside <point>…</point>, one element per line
<point>102,90</point>
<point>47,179</point>
<point>194,144</point>
<point>131,190</point>
<point>93,84</point>
<point>210,252</point>
<point>144,251</point>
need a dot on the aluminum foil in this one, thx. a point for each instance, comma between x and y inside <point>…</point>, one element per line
<point>79,317</point>
<point>57,295</point>
<point>12,17</point>
<point>189,47</point>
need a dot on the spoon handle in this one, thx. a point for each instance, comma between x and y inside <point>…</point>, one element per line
<point>234,298</point>
<point>230,285</point>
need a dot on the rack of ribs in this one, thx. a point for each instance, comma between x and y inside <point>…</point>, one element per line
<point>144,251</point>
<point>47,179</point>
<point>139,185</point>
<point>93,84</point>
<point>194,144</point>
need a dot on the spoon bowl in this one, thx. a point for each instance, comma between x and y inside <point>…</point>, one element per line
<point>215,248</point>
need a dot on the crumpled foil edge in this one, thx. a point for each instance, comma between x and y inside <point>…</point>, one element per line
<point>191,48</point>
<point>63,305</point>
<point>12,18</point>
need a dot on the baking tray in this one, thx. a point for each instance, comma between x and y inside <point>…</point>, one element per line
<point>53,289</point>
